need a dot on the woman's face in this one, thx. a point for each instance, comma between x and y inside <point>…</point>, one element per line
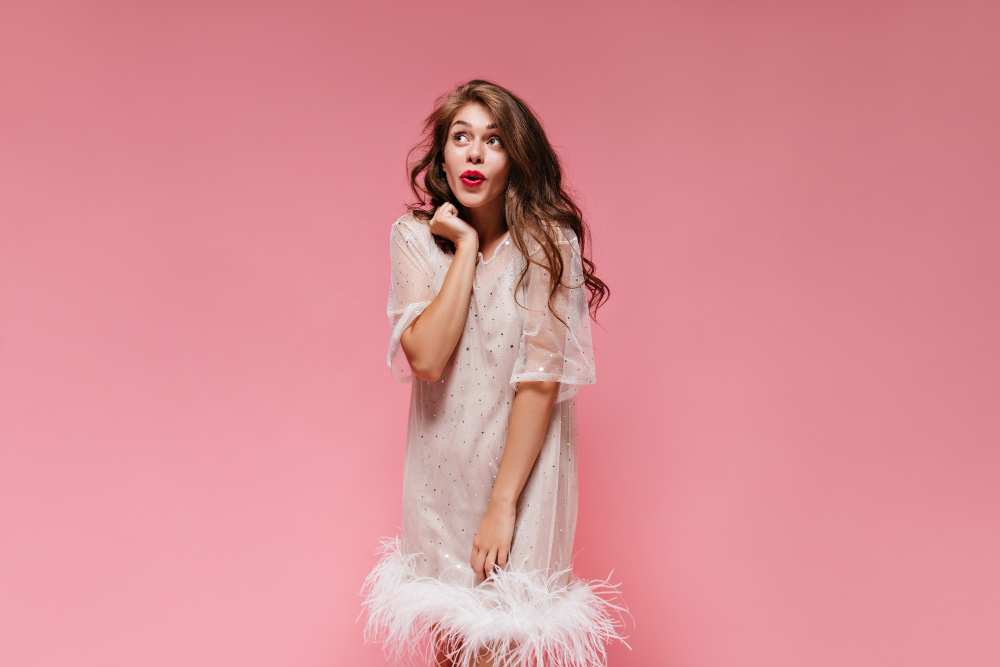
<point>473,145</point>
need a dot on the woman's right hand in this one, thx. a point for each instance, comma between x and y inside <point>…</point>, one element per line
<point>447,224</point>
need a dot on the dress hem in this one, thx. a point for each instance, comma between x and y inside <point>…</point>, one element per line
<point>519,618</point>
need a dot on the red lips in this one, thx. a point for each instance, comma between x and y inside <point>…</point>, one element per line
<point>472,178</point>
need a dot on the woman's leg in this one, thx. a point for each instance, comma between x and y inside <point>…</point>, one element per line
<point>441,647</point>
<point>485,658</point>
<point>442,659</point>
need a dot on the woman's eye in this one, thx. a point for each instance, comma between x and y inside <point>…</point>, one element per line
<point>457,135</point>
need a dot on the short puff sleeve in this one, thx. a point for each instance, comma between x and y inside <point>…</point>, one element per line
<point>410,291</point>
<point>549,349</point>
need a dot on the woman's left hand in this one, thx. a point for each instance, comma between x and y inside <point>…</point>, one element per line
<point>493,537</point>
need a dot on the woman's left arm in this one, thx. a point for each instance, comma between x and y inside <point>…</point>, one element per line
<point>529,421</point>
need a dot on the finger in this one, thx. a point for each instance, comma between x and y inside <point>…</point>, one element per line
<point>491,560</point>
<point>504,553</point>
<point>478,562</point>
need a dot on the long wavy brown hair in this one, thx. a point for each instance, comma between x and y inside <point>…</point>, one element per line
<point>535,197</point>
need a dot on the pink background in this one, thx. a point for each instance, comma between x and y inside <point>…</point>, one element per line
<point>791,454</point>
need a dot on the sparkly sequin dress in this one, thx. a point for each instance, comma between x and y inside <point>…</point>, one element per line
<point>536,611</point>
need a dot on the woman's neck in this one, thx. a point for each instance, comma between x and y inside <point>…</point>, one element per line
<point>490,220</point>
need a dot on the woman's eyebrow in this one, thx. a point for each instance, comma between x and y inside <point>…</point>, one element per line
<point>491,126</point>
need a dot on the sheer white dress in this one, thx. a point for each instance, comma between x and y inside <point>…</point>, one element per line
<point>535,611</point>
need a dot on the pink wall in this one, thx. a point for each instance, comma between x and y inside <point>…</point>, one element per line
<point>790,457</point>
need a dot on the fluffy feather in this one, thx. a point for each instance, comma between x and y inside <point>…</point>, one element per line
<point>520,619</point>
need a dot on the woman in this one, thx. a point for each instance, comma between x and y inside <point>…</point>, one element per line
<point>488,302</point>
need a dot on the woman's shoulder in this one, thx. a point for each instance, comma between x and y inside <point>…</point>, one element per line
<point>559,233</point>
<point>563,233</point>
<point>413,227</point>
<point>410,221</point>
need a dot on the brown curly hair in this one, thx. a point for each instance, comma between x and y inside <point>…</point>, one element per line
<point>535,197</point>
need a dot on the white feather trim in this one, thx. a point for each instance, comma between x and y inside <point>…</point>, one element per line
<point>520,619</point>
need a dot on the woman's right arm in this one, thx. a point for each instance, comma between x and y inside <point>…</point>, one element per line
<point>431,338</point>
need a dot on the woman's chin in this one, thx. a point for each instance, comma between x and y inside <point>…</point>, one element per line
<point>473,201</point>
